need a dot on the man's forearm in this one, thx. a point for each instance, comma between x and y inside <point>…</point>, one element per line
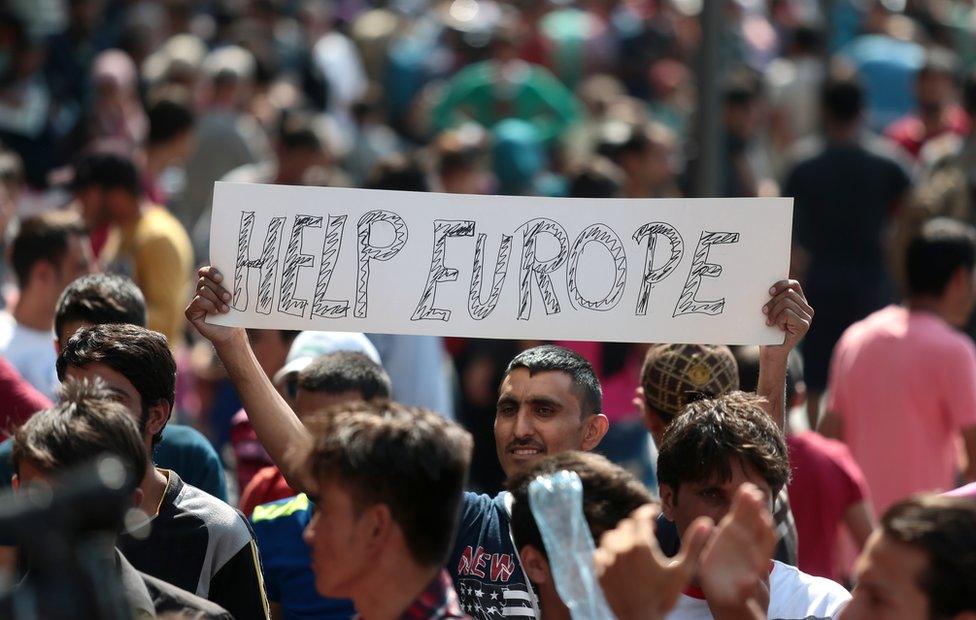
<point>278,428</point>
<point>772,383</point>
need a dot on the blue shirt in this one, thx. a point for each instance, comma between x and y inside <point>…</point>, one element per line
<point>182,449</point>
<point>487,573</point>
<point>287,561</point>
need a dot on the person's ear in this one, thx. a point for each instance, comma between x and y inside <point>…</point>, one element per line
<point>138,496</point>
<point>157,417</point>
<point>669,499</point>
<point>42,272</point>
<point>535,565</point>
<point>596,427</point>
<point>377,525</point>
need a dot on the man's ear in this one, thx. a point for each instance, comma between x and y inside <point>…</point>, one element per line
<point>535,565</point>
<point>138,496</point>
<point>669,499</point>
<point>377,524</point>
<point>596,426</point>
<point>158,416</point>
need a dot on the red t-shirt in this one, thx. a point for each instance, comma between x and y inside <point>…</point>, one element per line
<point>909,131</point>
<point>20,399</point>
<point>268,485</point>
<point>826,482</point>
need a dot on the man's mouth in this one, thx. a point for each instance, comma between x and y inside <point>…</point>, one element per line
<point>526,451</point>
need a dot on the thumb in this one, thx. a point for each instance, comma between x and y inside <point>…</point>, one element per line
<point>692,544</point>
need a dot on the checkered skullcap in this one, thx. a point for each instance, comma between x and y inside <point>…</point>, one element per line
<point>677,374</point>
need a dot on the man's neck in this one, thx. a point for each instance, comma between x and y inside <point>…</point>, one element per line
<point>931,305</point>
<point>34,312</point>
<point>153,488</point>
<point>131,215</point>
<point>392,586</point>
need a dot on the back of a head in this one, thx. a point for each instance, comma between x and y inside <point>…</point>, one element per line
<point>346,371</point>
<point>610,493</point>
<point>703,442</point>
<point>598,178</point>
<point>552,358</point>
<point>87,424</point>
<point>842,99</point>
<point>936,254</point>
<point>170,116</point>
<point>100,298</point>
<point>297,132</point>
<point>410,459</point>
<point>674,375</point>
<point>107,171</point>
<point>944,529</point>
<point>140,355</point>
<point>43,237</point>
<point>400,173</point>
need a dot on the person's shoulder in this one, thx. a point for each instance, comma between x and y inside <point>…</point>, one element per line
<point>187,438</point>
<point>793,593</point>
<point>222,521</point>
<point>157,223</point>
<point>168,598</point>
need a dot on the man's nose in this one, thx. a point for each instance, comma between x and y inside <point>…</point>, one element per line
<point>523,424</point>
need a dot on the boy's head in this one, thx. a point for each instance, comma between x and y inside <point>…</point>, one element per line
<point>340,377</point>
<point>390,480</point>
<point>97,299</point>
<point>610,493</point>
<point>135,364</point>
<point>714,447</point>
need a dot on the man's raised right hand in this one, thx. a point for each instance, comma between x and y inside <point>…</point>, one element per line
<point>210,298</point>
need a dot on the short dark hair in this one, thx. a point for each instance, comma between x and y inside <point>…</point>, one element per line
<point>701,443</point>
<point>43,237</point>
<point>944,528</point>
<point>100,298</point>
<point>598,178</point>
<point>107,171</point>
<point>399,172</point>
<point>85,425</point>
<point>297,132</point>
<point>410,459</point>
<point>936,253</point>
<point>610,493</point>
<point>170,116</point>
<point>549,357</point>
<point>346,371</point>
<point>140,355</point>
<point>842,99</point>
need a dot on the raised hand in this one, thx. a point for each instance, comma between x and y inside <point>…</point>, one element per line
<point>639,582</point>
<point>789,310</point>
<point>210,298</point>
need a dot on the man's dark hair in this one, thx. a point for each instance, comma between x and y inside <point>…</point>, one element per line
<point>936,253</point>
<point>969,93</point>
<point>944,529</point>
<point>599,178</point>
<point>346,371</point>
<point>86,424</point>
<point>43,237</point>
<point>549,357</point>
<point>100,298</point>
<point>702,443</point>
<point>298,133</point>
<point>169,117</point>
<point>107,171</point>
<point>842,99</point>
<point>399,172</point>
<point>610,493</point>
<point>741,88</point>
<point>140,355</point>
<point>410,459</point>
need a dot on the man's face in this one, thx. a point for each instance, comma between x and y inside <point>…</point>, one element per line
<point>76,262</point>
<point>887,582</point>
<point>538,415</point>
<point>338,538</point>
<point>121,388</point>
<point>709,499</point>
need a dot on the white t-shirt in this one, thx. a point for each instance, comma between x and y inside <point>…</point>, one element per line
<point>32,353</point>
<point>792,594</point>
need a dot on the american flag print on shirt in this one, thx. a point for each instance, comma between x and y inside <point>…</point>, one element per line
<point>486,601</point>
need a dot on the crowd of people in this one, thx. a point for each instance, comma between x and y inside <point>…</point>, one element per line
<point>283,474</point>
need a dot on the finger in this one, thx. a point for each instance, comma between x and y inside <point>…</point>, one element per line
<point>780,314</point>
<point>208,284</point>
<point>692,543</point>
<point>204,304</point>
<point>788,294</point>
<point>210,272</point>
<point>209,295</point>
<point>782,285</point>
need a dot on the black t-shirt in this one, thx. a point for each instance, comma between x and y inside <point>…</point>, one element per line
<point>845,194</point>
<point>202,545</point>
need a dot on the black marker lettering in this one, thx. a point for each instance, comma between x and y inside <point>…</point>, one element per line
<point>651,275</point>
<point>531,265</point>
<point>369,252</point>
<point>322,307</point>
<point>602,234</point>
<point>476,308</point>
<point>439,272</point>
<point>295,260</point>
<point>268,264</point>
<point>701,268</point>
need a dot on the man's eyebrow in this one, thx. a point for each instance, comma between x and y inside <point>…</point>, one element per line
<point>506,399</point>
<point>545,401</point>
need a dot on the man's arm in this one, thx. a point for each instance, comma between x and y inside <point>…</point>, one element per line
<point>859,519</point>
<point>281,432</point>
<point>831,425</point>
<point>788,309</point>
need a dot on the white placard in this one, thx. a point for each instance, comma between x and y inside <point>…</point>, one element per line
<point>675,270</point>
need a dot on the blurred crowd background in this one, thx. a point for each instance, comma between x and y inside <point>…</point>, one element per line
<point>128,111</point>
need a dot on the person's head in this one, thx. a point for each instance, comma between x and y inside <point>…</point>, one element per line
<point>171,123</point>
<point>107,187</point>
<point>271,347</point>
<point>939,266</point>
<point>597,178</point>
<point>461,160</point>
<point>48,252</point>
<point>306,347</point>
<point>389,483</point>
<point>230,70</point>
<point>135,364</point>
<point>747,360</point>
<point>549,401</point>
<point>674,375</point>
<point>610,493</point>
<point>935,83</point>
<point>920,564</point>
<point>741,104</point>
<point>399,172</point>
<point>97,299</point>
<point>298,150</point>
<point>714,447</point>
<point>842,101</point>
<point>337,378</point>
<point>642,150</point>
<point>84,426</point>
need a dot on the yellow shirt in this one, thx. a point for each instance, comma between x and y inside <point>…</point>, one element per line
<point>155,252</point>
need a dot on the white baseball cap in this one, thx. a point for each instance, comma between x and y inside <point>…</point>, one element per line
<point>309,345</point>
